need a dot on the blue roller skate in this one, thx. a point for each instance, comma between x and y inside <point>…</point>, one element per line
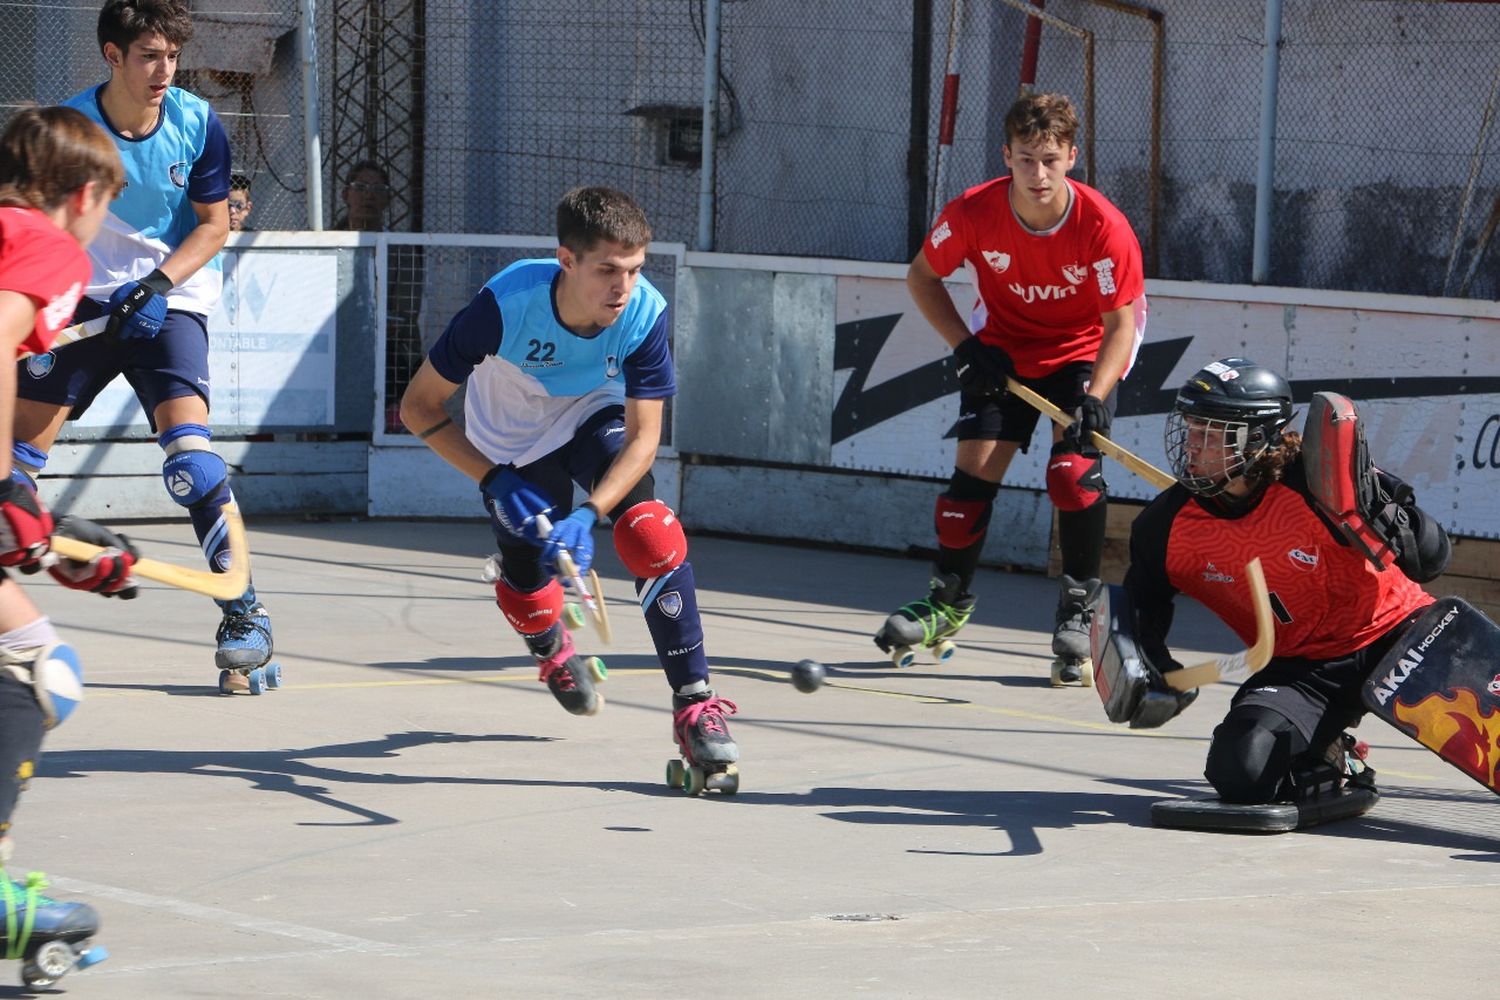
<point>50,938</point>
<point>708,758</point>
<point>244,653</point>
<point>927,624</point>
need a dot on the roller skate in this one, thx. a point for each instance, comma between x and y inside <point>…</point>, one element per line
<point>570,677</point>
<point>708,758</point>
<point>1076,602</point>
<point>51,938</point>
<point>244,653</point>
<point>928,623</point>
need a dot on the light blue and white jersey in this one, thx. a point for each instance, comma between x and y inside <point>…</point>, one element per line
<point>185,159</point>
<point>532,381</point>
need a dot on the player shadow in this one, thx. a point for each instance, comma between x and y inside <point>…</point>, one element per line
<point>1021,816</point>
<point>1408,815</point>
<point>294,772</point>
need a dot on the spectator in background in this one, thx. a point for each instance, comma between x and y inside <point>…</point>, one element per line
<point>367,195</point>
<point>239,203</point>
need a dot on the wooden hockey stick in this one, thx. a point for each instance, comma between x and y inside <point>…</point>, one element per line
<point>1237,665</point>
<point>1119,453</point>
<point>221,586</point>
<point>73,334</point>
<point>593,599</point>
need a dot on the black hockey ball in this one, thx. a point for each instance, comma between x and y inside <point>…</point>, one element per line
<point>807,675</point>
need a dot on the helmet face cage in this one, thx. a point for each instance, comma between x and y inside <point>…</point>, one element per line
<point>1224,450</point>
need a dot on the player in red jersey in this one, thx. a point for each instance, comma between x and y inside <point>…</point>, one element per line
<point>1243,493</point>
<point>1062,310</point>
<point>58,174</point>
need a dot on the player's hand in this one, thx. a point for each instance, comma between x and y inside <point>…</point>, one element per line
<point>982,368</point>
<point>516,503</point>
<point>106,573</point>
<point>25,527</point>
<point>1091,417</point>
<point>137,309</point>
<point>574,535</point>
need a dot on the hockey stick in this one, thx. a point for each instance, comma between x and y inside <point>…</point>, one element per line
<point>73,334</point>
<point>1119,453</point>
<point>221,586</point>
<point>1237,665</point>
<point>593,599</point>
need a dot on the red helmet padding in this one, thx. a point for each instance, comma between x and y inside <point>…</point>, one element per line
<point>530,613</point>
<point>649,539</point>
<point>1075,479</point>
<point>961,523</point>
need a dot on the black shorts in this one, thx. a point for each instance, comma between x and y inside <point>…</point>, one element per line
<point>1010,418</point>
<point>1320,697</point>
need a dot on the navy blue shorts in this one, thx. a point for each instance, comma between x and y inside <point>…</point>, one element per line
<point>173,363</point>
<point>1010,418</point>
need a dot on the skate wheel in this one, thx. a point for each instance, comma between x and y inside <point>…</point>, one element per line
<point>47,965</point>
<point>273,675</point>
<point>675,772</point>
<point>231,682</point>
<point>903,656</point>
<point>573,616</point>
<point>943,651</point>
<point>597,669</point>
<point>597,705</point>
<point>257,679</point>
<point>1086,675</point>
<point>725,782</point>
<point>93,956</point>
<point>695,780</point>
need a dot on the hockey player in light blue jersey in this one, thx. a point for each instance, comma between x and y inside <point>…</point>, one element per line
<point>568,373</point>
<point>156,276</point>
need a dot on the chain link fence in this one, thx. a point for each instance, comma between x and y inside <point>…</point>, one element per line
<point>478,116</point>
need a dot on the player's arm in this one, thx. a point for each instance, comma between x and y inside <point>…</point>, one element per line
<point>206,239</point>
<point>1114,350</point>
<point>424,413</point>
<point>17,319</point>
<point>643,420</point>
<point>934,302</point>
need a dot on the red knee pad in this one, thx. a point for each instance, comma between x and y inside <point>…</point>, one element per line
<point>649,539</point>
<point>533,613</point>
<point>961,523</point>
<point>1075,479</point>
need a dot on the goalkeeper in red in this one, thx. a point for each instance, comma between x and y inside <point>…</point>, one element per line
<point>1062,310</point>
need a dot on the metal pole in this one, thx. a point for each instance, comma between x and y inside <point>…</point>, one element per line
<point>917,217</point>
<point>311,137</point>
<point>710,124</point>
<point>1265,172</point>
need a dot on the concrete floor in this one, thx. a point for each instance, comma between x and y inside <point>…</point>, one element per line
<point>413,815</point>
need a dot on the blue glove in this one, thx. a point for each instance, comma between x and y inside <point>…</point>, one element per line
<point>516,503</point>
<point>573,534</point>
<point>137,309</point>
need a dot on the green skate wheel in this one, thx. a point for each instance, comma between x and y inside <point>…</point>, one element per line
<point>573,616</point>
<point>943,651</point>
<point>695,780</point>
<point>675,772</point>
<point>903,656</point>
<point>597,669</point>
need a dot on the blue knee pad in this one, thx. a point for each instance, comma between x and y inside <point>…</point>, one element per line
<point>27,462</point>
<point>192,472</point>
<point>670,604</point>
<point>55,676</point>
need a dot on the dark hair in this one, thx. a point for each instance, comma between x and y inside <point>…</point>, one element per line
<point>385,177</point>
<point>588,215</point>
<point>123,21</point>
<point>239,182</point>
<point>1039,117</point>
<point>48,153</point>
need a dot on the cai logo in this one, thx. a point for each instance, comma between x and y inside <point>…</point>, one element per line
<point>611,367</point>
<point>670,604</point>
<point>178,173</point>
<point>38,365</point>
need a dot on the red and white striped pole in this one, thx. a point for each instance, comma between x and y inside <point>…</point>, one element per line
<point>949,114</point>
<point>1029,47</point>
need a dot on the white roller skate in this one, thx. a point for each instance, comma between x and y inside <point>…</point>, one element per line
<point>709,757</point>
<point>1076,601</point>
<point>929,623</point>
